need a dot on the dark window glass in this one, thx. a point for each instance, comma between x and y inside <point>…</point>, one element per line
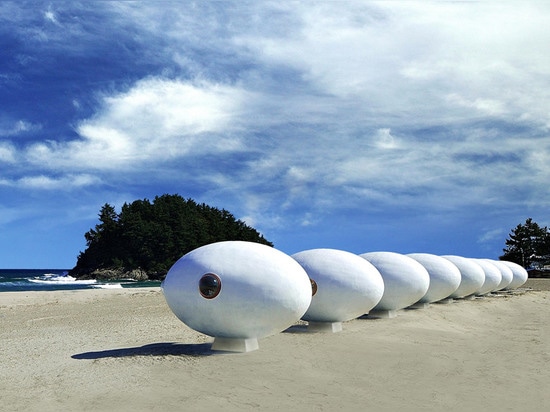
<point>313,287</point>
<point>210,286</point>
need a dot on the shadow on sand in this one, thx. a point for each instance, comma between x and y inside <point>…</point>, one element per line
<point>369,317</point>
<point>296,329</point>
<point>154,349</point>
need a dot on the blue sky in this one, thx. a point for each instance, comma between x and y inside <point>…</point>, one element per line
<point>402,126</point>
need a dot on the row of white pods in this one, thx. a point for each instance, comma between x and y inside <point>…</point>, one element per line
<point>239,292</point>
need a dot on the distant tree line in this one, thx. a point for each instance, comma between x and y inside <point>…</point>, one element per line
<point>152,236</point>
<point>528,245</point>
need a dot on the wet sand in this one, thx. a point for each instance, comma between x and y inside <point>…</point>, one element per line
<point>124,350</point>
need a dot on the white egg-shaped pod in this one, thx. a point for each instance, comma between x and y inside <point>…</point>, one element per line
<point>493,277</point>
<point>405,280</point>
<point>472,276</point>
<point>347,286</point>
<point>505,271</point>
<point>444,276</point>
<point>237,290</point>
<point>519,272</point>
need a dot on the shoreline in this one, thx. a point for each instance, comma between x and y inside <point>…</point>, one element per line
<point>124,350</point>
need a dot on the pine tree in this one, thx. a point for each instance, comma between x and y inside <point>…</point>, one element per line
<point>528,245</point>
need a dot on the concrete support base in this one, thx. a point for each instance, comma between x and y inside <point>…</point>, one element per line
<point>332,327</point>
<point>385,314</point>
<point>235,344</point>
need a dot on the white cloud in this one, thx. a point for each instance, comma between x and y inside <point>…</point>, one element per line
<point>154,121</point>
<point>492,235</point>
<point>385,140</point>
<point>402,59</point>
<point>43,182</point>
<point>174,106</point>
<point>50,16</point>
<point>10,129</point>
<point>368,69</point>
<point>334,108</point>
<point>8,215</point>
<point>8,153</point>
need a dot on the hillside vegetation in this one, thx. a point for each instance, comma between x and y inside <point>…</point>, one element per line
<point>146,238</point>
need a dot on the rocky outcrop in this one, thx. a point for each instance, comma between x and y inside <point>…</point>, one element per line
<point>109,274</point>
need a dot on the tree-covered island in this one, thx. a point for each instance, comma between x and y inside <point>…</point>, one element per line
<point>146,238</point>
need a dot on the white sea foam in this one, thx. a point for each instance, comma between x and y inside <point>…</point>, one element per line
<point>107,286</point>
<point>50,278</point>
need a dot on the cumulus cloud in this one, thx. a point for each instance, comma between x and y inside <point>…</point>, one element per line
<point>154,121</point>
<point>7,152</point>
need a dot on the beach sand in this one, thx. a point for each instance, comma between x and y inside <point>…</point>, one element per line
<point>124,350</point>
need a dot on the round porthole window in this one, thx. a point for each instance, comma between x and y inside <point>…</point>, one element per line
<point>313,287</point>
<point>210,286</point>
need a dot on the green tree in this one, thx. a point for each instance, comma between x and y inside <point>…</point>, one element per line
<point>528,244</point>
<point>151,236</point>
<point>102,241</point>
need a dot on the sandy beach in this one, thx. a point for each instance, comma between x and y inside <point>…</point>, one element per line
<point>124,350</point>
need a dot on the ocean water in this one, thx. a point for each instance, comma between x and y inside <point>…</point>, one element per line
<point>21,280</point>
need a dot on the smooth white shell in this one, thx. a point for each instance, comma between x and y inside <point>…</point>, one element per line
<point>505,271</point>
<point>444,276</point>
<point>493,277</point>
<point>520,275</point>
<point>472,276</point>
<point>348,286</point>
<point>263,290</point>
<point>405,280</point>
